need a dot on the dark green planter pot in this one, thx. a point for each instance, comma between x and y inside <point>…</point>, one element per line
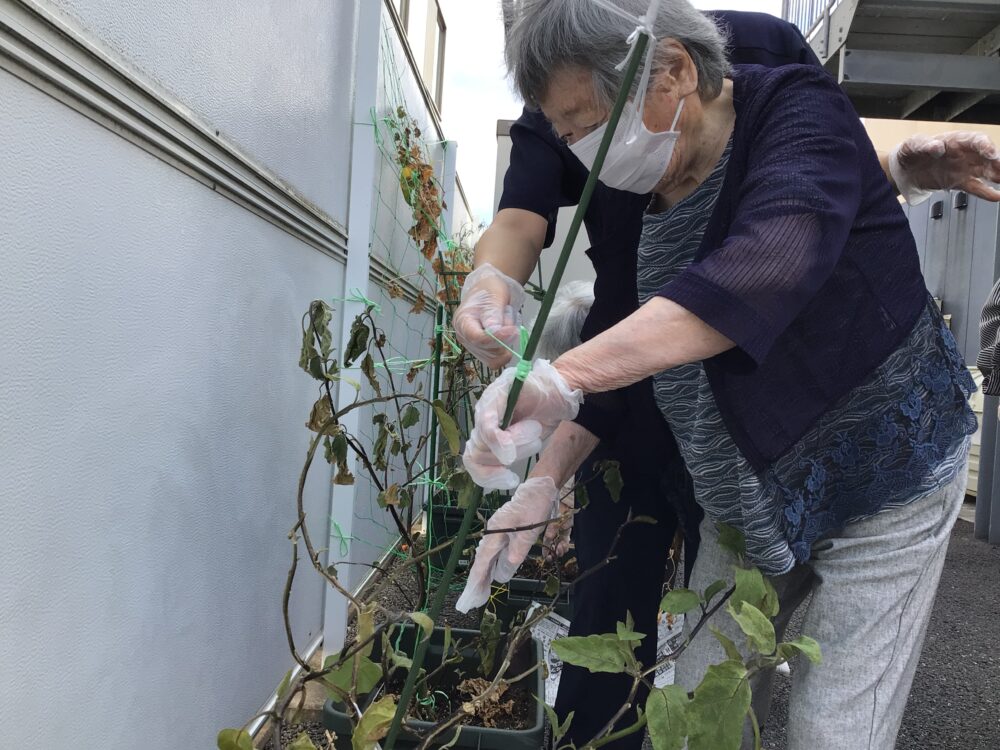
<point>336,719</point>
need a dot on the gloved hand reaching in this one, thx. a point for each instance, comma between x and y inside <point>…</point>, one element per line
<point>491,304</point>
<point>499,555</point>
<point>957,160</point>
<point>545,401</point>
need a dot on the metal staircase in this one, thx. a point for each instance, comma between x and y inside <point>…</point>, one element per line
<point>909,59</point>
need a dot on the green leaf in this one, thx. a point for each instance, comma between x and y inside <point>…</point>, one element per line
<point>374,724</point>
<point>598,653</point>
<point>283,685</point>
<point>750,587</point>
<point>302,742</point>
<point>366,628</point>
<point>316,327</point>
<point>447,643</point>
<point>411,415</point>
<point>755,626</point>
<point>803,644</point>
<point>368,368</point>
<point>679,601</point>
<point>580,496</point>
<point>398,658</point>
<point>732,652</point>
<point>771,605</point>
<point>338,452</point>
<point>712,591</point>
<point>426,624</point>
<point>551,586</point>
<point>358,342</point>
<point>322,315</point>
<point>732,541</point>
<point>666,713</point>
<point>448,428</point>
<point>611,470</point>
<point>626,633</point>
<point>558,730</point>
<point>489,628</point>
<point>234,739</point>
<point>381,445</point>
<point>339,448</point>
<point>369,674</point>
<point>719,708</point>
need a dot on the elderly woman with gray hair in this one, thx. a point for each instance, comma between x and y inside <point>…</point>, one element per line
<point>816,396</point>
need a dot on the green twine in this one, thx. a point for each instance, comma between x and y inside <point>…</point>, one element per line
<point>523,367</point>
<point>345,541</point>
<point>357,296</point>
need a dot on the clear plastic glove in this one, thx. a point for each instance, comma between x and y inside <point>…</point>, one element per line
<point>958,160</point>
<point>545,401</point>
<point>491,304</point>
<point>498,556</point>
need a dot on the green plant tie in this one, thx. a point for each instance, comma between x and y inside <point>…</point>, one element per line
<point>357,296</point>
<point>344,539</point>
<point>434,483</point>
<point>443,333</point>
<point>523,366</point>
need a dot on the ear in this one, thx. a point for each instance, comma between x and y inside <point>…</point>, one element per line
<point>676,73</point>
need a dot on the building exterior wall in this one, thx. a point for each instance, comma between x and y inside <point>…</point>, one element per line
<point>153,408</point>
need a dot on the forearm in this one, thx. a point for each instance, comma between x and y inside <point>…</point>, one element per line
<point>659,336</point>
<point>569,445</point>
<point>513,243</point>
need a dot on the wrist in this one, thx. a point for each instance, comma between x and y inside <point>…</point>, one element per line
<point>568,373</point>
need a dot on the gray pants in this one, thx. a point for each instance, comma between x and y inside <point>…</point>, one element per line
<point>872,587</point>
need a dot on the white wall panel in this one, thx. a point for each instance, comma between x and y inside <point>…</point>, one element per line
<point>275,78</point>
<point>152,428</point>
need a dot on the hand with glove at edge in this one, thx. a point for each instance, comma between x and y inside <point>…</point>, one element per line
<point>958,160</point>
<point>545,401</point>
<point>499,555</point>
<point>491,304</point>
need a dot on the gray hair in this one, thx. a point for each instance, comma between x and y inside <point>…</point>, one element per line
<point>565,323</point>
<point>548,35</point>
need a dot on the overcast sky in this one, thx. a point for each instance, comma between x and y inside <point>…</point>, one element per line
<point>476,92</point>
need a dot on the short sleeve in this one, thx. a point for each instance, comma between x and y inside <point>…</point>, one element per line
<point>603,414</point>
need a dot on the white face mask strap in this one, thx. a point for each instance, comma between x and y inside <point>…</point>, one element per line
<point>644,25</point>
<point>677,117</point>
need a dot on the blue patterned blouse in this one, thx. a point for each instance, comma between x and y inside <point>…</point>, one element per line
<point>897,437</point>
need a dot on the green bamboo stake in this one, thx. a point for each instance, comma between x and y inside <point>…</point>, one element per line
<point>406,695</point>
<point>432,448</point>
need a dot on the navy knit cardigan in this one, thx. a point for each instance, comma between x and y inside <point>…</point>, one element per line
<point>808,263</point>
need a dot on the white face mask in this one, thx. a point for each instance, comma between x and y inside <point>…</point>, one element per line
<point>637,159</point>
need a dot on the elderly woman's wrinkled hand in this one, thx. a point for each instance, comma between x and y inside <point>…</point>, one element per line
<point>545,401</point>
<point>500,554</point>
<point>488,321</point>
<point>957,160</point>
